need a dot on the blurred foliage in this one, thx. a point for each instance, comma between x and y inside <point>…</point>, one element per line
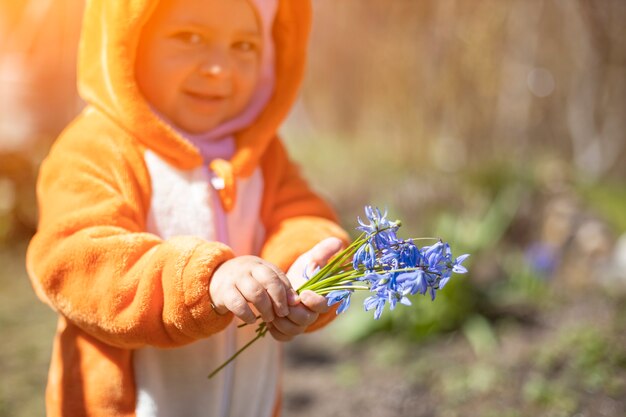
<point>609,199</point>
<point>449,83</point>
<point>590,356</point>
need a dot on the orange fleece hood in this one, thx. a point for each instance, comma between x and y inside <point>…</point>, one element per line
<point>106,80</point>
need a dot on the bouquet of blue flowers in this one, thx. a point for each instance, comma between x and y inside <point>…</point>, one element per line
<point>380,262</point>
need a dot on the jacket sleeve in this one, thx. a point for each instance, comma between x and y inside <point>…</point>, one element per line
<point>92,261</point>
<point>295,217</point>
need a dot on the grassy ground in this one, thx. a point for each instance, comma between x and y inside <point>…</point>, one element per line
<point>27,327</point>
<point>569,361</point>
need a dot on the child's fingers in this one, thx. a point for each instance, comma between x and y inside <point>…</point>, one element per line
<point>277,334</point>
<point>301,316</point>
<point>236,303</point>
<point>288,327</point>
<point>254,293</point>
<point>314,302</point>
<point>277,287</point>
<point>221,310</point>
<point>292,295</point>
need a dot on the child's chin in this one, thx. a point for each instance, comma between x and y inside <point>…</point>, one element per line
<point>204,124</point>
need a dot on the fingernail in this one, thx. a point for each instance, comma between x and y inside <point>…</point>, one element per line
<point>292,298</point>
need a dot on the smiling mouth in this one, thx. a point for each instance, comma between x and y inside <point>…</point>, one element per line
<point>206,97</point>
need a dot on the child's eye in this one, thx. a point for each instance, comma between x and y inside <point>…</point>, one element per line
<point>245,46</point>
<point>191,38</point>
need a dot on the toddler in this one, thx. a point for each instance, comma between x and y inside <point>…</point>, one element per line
<point>169,210</point>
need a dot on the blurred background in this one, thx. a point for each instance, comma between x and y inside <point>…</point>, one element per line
<point>498,125</point>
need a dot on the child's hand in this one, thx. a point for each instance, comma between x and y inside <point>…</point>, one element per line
<point>300,316</point>
<point>310,305</point>
<point>250,280</point>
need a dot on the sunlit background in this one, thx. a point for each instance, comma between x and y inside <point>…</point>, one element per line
<point>498,125</point>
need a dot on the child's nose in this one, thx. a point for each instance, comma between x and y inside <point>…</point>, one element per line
<point>216,65</point>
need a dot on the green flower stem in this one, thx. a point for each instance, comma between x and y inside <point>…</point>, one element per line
<point>328,280</point>
<point>413,239</point>
<point>331,283</point>
<point>352,275</point>
<point>262,330</point>
<point>344,256</point>
<point>342,287</point>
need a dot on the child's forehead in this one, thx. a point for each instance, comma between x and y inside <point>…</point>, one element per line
<point>207,13</point>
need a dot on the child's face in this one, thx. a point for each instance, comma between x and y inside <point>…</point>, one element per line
<point>198,61</point>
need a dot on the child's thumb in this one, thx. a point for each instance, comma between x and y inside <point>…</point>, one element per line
<point>322,252</point>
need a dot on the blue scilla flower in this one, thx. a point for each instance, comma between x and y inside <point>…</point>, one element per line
<point>366,256</point>
<point>376,303</point>
<point>410,255</point>
<point>432,256</point>
<point>381,231</point>
<point>454,266</point>
<point>414,282</point>
<point>403,254</point>
<point>390,260</point>
<point>339,296</point>
<point>381,282</point>
<point>391,287</point>
<point>372,277</point>
<point>438,258</point>
<point>439,266</point>
<point>386,292</point>
<point>381,285</point>
<point>457,267</point>
<point>397,295</point>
